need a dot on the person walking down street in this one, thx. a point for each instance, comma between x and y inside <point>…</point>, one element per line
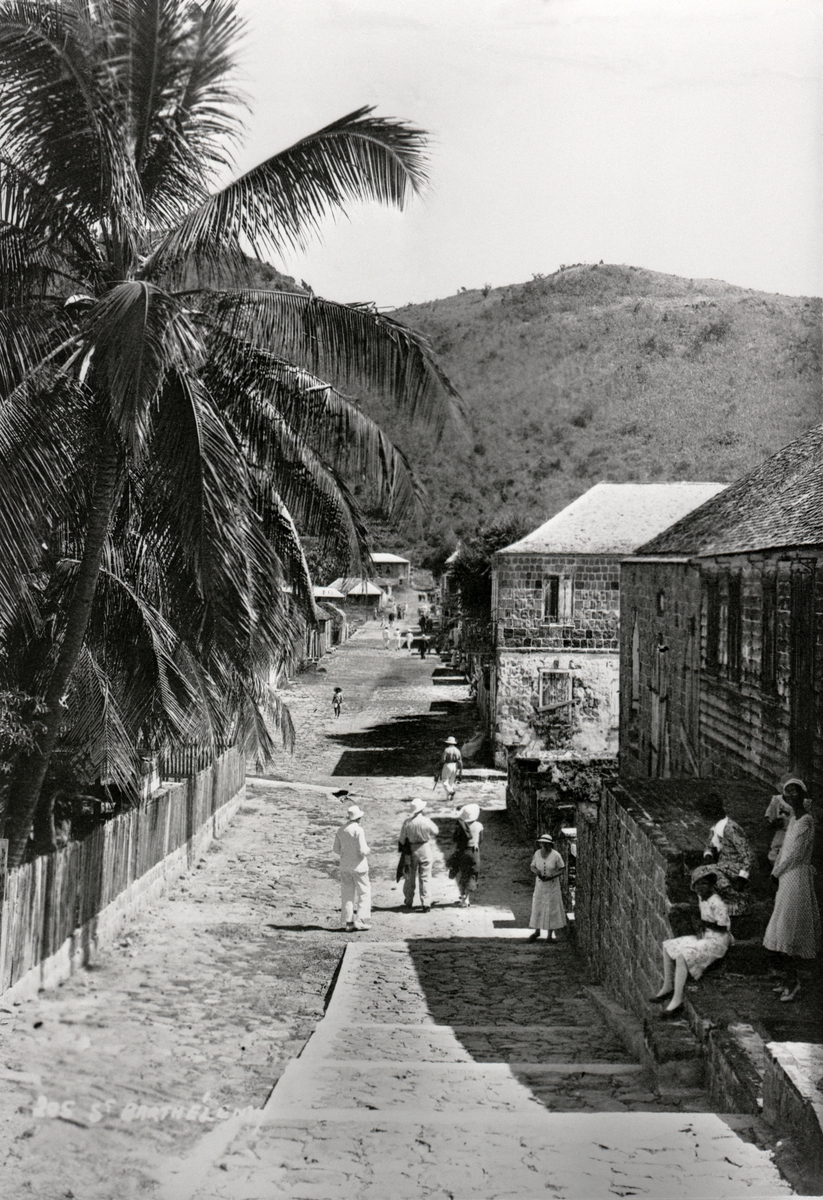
<point>355,888</point>
<point>423,645</point>
<point>417,842</point>
<point>548,911</point>
<point>450,770</point>
<point>794,928</point>
<point>337,701</point>
<point>408,639</point>
<point>385,635</point>
<point>464,861</point>
<point>730,851</point>
<point>692,954</point>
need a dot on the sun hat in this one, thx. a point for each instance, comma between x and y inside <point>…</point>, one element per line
<point>450,741</point>
<point>353,812</point>
<point>545,837</point>
<point>418,805</point>
<point>793,779</point>
<point>469,812</point>
<point>706,871</point>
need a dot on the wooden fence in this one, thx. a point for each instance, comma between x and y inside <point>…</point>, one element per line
<point>56,899</point>
<point>187,759</point>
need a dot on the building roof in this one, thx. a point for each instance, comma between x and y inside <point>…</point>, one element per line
<point>779,503</point>
<point>327,593</point>
<point>352,586</point>
<point>389,558</point>
<point>614,518</point>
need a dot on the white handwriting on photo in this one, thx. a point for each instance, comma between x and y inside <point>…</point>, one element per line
<point>203,1111</point>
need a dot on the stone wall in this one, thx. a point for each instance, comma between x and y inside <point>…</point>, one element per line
<point>538,789</point>
<point>595,613</point>
<point>589,725</point>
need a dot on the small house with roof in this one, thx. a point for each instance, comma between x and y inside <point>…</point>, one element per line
<point>361,592</point>
<point>722,631</point>
<point>391,567</point>
<point>556,616</point>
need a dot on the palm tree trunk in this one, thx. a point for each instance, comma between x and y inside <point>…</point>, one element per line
<point>27,781</point>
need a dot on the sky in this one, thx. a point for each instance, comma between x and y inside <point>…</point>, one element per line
<point>683,136</point>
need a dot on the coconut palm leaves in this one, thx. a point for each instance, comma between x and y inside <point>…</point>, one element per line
<point>163,438</point>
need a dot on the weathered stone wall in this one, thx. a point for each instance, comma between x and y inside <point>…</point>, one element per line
<point>538,789</point>
<point>683,713</point>
<point>595,616</point>
<point>590,723</point>
<point>624,866</point>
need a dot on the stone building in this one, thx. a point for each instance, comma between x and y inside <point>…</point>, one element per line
<point>556,615</point>
<point>722,633</point>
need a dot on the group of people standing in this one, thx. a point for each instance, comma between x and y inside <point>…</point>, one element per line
<point>722,885</point>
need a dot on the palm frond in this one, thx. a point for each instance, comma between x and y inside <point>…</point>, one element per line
<point>347,344</point>
<point>276,205</point>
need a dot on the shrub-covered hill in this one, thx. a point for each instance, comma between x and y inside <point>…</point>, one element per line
<point>607,373</point>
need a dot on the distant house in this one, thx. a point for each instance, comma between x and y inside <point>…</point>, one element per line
<point>722,638</point>
<point>358,591</point>
<point>392,567</point>
<point>556,616</point>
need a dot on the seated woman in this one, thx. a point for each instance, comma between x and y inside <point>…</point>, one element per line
<point>691,955</point>
<point>729,850</point>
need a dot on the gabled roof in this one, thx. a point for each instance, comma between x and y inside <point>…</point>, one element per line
<point>614,518</point>
<point>779,503</point>
<point>327,593</point>
<point>352,586</point>
<point>389,558</point>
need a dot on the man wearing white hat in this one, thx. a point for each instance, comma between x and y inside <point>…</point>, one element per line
<point>419,831</point>
<point>355,888</point>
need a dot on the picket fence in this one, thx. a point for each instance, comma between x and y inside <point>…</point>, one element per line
<point>53,904</point>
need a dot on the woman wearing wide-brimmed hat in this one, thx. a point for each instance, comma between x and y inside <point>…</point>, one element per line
<point>548,909</point>
<point>450,770</point>
<point>691,954</point>
<point>464,861</point>
<point>794,928</point>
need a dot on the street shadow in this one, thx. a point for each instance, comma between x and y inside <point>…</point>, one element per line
<point>301,928</point>
<point>404,745</point>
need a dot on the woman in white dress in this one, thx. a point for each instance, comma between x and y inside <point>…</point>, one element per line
<point>450,770</point>
<point>691,955</point>
<point>794,928</point>
<point>548,910</point>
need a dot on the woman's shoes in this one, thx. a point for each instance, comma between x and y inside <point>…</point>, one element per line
<point>552,936</point>
<point>660,999</point>
<point>671,1014</point>
<point>789,994</point>
<point>534,937</point>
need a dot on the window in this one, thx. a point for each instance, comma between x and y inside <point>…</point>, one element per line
<point>711,598</point>
<point>734,626</point>
<point>768,632</point>
<point>555,689</point>
<point>558,599</point>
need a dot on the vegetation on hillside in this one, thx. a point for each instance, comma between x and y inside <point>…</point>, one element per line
<point>612,373</point>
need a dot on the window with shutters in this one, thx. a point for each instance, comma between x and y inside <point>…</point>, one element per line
<point>557,599</point>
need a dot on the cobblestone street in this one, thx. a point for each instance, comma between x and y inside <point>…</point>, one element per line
<point>453,1060</point>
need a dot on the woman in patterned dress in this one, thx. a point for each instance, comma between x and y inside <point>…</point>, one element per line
<point>691,955</point>
<point>464,862</point>
<point>730,851</point>
<point>794,928</point>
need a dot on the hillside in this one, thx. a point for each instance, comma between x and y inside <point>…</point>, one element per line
<point>606,373</point>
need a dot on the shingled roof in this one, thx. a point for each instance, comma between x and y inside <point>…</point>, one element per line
<point>779,503</point>
<point>614,518</point>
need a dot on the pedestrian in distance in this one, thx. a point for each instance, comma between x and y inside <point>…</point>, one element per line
<point>450,768</point>
<point>417,843</point>
<point>423,645</point>
<point>355,888</point>
<point>548,911</point>
<point>464,861</point>
<point>692,954</point>
<point>385,635</point>
<point>793,931</point>
<point>337,701</point>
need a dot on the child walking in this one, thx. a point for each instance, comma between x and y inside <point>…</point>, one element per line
<point>548,910</point>
<point>337,701</point>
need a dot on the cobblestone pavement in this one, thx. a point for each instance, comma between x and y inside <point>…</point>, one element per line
<point>453,1060</point>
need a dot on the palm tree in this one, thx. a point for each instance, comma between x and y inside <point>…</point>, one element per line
<point>162,436</point>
